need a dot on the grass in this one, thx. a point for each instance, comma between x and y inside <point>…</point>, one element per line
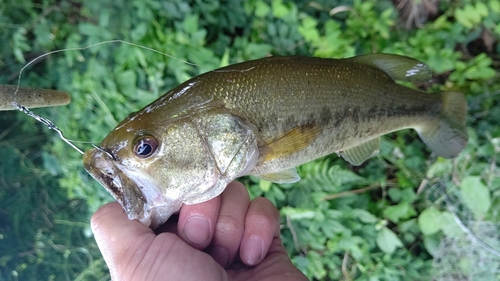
<point>385,220</point>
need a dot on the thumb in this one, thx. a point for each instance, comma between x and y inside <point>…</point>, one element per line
<point>119,238</point>
<point>133,252</point>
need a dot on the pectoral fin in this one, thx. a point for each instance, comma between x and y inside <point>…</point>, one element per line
<point>286,176</point>
<point>291,142</point>
<point>359,154</point>
<point>398,67</point>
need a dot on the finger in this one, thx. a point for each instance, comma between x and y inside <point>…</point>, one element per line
<point>133,252</point>
<point>230,224</point>
<point>261,226</point>
<point>118,237</point>
<point>197,222</point>
<point>275,266</point>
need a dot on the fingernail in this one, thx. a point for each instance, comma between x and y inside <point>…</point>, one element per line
<point>197,230</point>
<point>220,255</point>
<point>252,251</point>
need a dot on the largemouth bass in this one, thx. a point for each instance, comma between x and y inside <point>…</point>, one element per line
<point>264,118</point>
<point>30,98</point>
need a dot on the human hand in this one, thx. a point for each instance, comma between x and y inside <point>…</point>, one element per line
<point>226,238</point>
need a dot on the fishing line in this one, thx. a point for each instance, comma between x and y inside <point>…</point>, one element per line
<point>471,234</point>
<point>95,45</point>
<point>50,125</point>
<point>454,212</point>
<point>469,239</point>
<point>105,151</point>
<point>470,249</point>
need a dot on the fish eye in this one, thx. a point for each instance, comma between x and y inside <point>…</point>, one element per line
<point>145,146</point>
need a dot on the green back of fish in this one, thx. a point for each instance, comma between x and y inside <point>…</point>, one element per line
<point>277,94</point>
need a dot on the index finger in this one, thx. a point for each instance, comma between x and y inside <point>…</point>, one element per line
<point>261,227</point>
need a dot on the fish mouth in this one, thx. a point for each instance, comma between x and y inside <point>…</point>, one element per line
<point>136,192</point>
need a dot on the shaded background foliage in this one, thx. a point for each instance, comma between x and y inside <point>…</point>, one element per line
<point>384,220</point>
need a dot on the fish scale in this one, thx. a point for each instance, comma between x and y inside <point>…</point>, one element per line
<point>300,96</point>
<point>264,118</point>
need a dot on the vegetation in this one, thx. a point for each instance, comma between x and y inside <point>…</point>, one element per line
<point>393,218</point>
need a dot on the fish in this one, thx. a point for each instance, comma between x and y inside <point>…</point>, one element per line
<point>264,118</point>
<point>11,96</point>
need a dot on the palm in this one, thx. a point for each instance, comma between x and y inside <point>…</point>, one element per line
<point>192,264</point>
<point>226,238</point>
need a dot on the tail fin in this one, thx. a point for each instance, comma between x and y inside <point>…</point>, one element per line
<point>447,136</point>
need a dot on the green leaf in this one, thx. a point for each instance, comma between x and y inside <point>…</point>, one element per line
<point>308,30</point>
<point>51,163</point>
<point>224,61</point>
<point>18,54</point>
<point>315,265</point>
<point>364,216</point>
<point>255,51</point>
<point>265,185</point>
<point>400,211</point>
<point>404,180</point>
<point>476,195</point>
<point>462,17</point>
<point>495,6</point>
<point>297,213</point>
<point>439,168</point>
<point>481,9</point>
<point>190,24</point>
<point>43,34</point>
<point>431,243</point>
<point>280,10</point>
<point>89,29</point>
<point>449,226</point>
<point>127,82</point>
<point>331,227</point>
<point>139,32</point>
<point>261,9</point>
<point>276,193</point>
<point>388,241</point>
<point>429,221</point>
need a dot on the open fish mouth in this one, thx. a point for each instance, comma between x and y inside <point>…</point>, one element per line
<point>139,196</point>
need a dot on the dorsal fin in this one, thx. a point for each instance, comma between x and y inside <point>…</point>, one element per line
<point>398,67</point>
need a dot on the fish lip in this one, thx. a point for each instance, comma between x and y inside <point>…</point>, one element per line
<point>137,193</point>
<point>157,207</point>
<point>103,167</point>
